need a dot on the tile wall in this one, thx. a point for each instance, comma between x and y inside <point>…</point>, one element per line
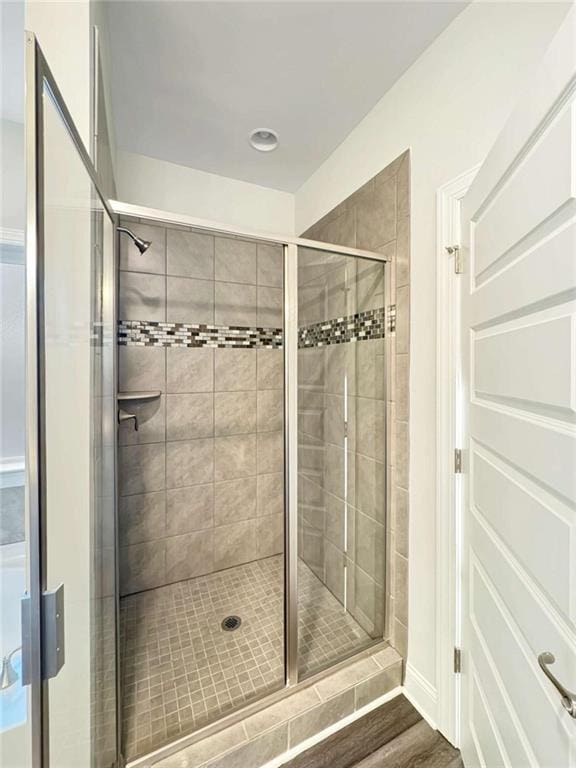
<point>377,217</point>
<point>201,481</point>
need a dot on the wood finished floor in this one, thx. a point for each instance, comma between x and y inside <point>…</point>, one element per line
<point>392,736</point>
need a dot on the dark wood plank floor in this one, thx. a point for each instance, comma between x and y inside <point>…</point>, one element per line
<point>392,736</point>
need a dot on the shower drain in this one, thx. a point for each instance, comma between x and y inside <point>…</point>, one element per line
<point>230,623</point>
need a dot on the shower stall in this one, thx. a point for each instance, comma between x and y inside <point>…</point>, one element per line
<point>208,492</point>
<point>251,514</point>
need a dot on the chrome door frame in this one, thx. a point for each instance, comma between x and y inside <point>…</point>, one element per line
<point>38,74</point>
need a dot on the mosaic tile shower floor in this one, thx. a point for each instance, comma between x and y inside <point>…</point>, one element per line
<point>181,670</point>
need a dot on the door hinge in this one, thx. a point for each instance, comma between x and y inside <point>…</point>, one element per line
<point>457,661</point>
<point>52,634</point>
<point>457,253</point>
<point>457,461</point>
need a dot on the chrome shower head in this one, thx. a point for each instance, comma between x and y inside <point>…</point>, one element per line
<point>141,244</point>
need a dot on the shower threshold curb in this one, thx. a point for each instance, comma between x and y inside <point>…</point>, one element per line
<point>287,719</point>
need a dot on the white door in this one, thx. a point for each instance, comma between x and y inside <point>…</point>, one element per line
<point>519,361</point>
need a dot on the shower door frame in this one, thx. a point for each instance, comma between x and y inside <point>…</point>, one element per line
<point>38,76</point>
<point>290,333</point>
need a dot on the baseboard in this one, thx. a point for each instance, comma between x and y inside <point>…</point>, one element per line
<point>421,694</point>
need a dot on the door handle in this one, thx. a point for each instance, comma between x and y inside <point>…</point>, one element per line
<point>568,698</point>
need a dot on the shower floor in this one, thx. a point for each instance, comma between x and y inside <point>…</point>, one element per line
<point>181,670</point>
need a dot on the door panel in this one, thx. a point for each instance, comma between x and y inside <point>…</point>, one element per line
<point>519,357</point>
<point>75,278</point>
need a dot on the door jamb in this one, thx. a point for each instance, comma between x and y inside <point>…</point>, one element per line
<point>449,437</point>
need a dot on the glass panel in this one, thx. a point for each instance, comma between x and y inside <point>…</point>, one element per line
<point>15,700</point>
<point>201,481</point>
<point>79,435</point>
<point>341,456</point>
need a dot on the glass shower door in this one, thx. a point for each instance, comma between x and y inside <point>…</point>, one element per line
<point>76,412</point>
<point>341,456</point>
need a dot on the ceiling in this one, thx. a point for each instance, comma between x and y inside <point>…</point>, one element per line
<point>191,80</point>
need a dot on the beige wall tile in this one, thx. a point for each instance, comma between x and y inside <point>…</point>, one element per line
<point>402,387</point>
<point>189,254</point>
<point>189,462</point>
<point>401,527</point>
<point>401,589</point>
<point>189,370</point>
<point>270,307</point>
<point>376,216</point>
<point>234,500</point>
<point>401,463</point>
<point>189,416</point>
<point>235,260</point>
<point>141,518</point>
<point>142,296</point>
<point>142,566</point>
<point>402,320</point>
<point>189,509</point>
<point>189,300</point>
<point>234,413</point>
<point>141,468</point>
<point>235,544</point>
<point>235,304</point>
<point>270,452</point>
<point>270,410</point>
<point>270,264</point>
<point>270,494</point>
<point>270,535</point>
<point>141,368</point>
<point>234,370</point>
<point>403,252</point>
<point>400,638</point>
<point>189,555</point>
<point>234,457</point>
<point>404,186</point>
<point>270,368</point>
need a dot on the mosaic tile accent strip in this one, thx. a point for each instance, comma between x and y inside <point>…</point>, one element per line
<point>363,326</point>
<point>181,670</point>
<point>146,333</point>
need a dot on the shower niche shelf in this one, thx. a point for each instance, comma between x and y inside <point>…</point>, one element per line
<point>130,397</point>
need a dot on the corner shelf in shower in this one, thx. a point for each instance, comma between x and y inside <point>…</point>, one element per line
<point>127,397</point>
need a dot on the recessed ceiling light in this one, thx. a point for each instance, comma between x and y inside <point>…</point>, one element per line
<point>264,139</point>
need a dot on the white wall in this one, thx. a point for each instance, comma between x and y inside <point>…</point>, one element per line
<point>176,188</point>
<point>12,291</point>
<point>63,32</point>
<point>448,109</point>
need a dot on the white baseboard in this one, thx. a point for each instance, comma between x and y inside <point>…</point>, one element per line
<point>421,694</point>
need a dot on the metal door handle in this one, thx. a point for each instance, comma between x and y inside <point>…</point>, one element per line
<point>568,698</point>
<point>124,416</point>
